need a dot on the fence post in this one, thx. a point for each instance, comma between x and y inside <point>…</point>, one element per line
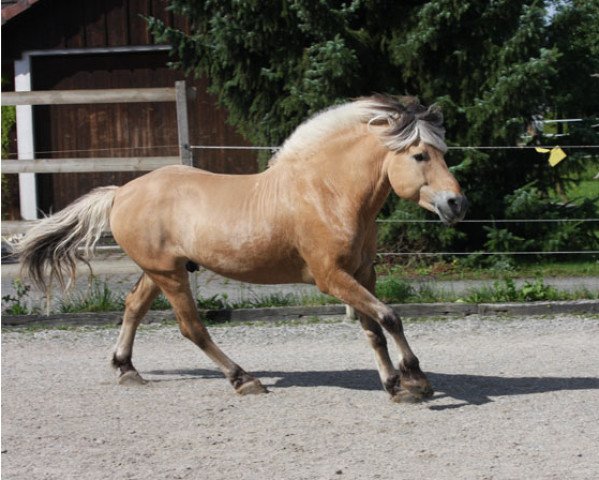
<point>183,123</point>
<point>185,151</point>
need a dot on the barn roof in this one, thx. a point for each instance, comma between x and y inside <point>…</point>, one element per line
<point>12,8</point>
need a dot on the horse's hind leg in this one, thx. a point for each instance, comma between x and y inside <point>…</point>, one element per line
<point>175,287</point>
<point>137,304</point>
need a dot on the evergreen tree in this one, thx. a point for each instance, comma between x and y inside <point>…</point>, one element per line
<point>491,64</point>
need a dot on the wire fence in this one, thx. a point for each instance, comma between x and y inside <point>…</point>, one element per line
<point>275,148</point>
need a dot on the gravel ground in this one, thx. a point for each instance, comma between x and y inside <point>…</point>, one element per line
<point>516,398</point>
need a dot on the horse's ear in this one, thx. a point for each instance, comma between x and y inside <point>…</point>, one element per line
<point>407,101</point>
<point>433,115</point>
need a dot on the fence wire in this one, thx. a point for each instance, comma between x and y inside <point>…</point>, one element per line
<point>457,147</point>
<point>275,148</point>
<point>491,220</point>
<point>562,252</point>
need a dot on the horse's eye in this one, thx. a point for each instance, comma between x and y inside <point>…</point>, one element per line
<point>421,157</point>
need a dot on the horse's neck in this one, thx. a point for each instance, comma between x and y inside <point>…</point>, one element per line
<point>351,172</point>
<point>370,187</point>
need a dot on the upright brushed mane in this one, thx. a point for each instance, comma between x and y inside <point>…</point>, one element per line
<point>408,123</point>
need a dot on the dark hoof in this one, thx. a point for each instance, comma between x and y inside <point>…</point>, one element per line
<point>419,387</point>
<point>252,387</point>
<point>131,377</point>
<point>406,396</point>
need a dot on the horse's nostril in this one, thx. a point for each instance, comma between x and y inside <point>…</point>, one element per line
<point>458,204</point>
<point>451,207</point>
<point>454,204</point>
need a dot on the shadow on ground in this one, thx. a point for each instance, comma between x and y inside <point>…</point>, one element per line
<point>467,389</point>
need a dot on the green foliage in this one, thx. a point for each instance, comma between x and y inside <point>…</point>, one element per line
<point>160,303</point>
<point>501,240</point>
<point>215,302</point>
<point>19,304</point>
<point>98,298</point>
<point>222,301</point>
<point>9,118</point>
<point>393,289</point>
<point>398,233</point>
<point>530,202</point>
<point>507,291</point>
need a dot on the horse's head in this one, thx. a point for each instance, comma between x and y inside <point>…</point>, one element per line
<point>415,164</point>
<point>419,173</point>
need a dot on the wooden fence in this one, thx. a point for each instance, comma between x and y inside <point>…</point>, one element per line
<point>180,94</point>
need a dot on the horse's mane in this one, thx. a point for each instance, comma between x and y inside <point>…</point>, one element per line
<point>408,122</point>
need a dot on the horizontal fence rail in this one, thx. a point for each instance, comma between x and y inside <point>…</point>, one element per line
<point>76,165</point>
<point>74,97</point>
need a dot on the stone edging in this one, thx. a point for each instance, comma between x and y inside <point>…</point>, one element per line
<point>286,313</point>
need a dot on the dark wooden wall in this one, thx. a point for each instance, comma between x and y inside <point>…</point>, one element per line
<point>150,129</point>
<point>83,24</point>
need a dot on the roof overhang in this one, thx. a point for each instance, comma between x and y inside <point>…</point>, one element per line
<point>12,10</point>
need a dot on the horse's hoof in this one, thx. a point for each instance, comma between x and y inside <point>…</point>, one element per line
<point>406,396</point>
<point>419,387</point>
<point>253,387</point>
<point>131,377</point>
<point>419,390</point>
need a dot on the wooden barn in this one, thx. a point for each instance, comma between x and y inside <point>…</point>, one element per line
<point>100,44</point>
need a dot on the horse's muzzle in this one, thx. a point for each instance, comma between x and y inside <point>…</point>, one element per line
<point>451,207</point>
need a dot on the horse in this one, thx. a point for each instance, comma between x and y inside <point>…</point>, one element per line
<point>308,218</point>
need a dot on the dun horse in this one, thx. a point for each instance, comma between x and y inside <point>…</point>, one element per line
<point>310,217</point>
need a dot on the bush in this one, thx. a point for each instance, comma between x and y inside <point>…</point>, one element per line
<point>506,291</point>
<point>392,290</point>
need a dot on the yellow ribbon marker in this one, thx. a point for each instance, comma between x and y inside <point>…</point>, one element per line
<point>556,155</point>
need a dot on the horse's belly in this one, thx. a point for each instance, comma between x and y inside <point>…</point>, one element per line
<point>256,261</point>
<point>247,268</point>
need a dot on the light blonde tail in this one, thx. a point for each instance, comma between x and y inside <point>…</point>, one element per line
<point>53,246</point>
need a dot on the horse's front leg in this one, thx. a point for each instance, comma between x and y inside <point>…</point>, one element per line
<point>411,384</point>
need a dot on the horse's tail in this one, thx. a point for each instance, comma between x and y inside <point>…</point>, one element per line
<point>52,247</point>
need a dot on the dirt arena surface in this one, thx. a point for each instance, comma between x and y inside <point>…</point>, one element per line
<point>517,398</point>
